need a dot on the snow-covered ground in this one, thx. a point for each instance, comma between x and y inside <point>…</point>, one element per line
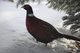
<point>14,38</point>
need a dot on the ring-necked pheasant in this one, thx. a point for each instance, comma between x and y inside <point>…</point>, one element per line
<point>42,31</point>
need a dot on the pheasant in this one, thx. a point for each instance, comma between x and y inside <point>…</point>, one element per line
<point>41,30</point>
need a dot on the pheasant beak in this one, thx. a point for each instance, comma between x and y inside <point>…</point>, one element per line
<point>22,7</point>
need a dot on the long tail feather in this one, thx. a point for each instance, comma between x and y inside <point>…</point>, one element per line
<point>70,37</point>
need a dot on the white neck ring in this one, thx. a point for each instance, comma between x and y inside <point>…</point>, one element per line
<point>31,15</point>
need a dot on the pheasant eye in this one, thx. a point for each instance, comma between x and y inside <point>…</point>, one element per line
<point>26,7</point>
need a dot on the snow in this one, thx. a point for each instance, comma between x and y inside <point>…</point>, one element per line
<point>14,38</point>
